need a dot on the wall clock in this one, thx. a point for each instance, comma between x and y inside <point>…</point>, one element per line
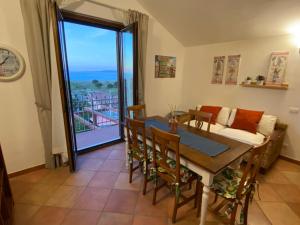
<point>12,64</point>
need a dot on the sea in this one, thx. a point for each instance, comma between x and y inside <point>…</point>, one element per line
<point>104,75</point>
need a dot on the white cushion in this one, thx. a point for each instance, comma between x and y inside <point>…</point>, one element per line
<point>242,136</point>
<point>214,128</point>
<point>223,115</point>
<point>267,124</point>
<point>231,117</point>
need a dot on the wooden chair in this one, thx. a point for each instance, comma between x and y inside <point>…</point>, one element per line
<point>138,149</point>
<point>238,185</point>
<point>136,112</point>
<point>200,117</point>
<point>170,171</point>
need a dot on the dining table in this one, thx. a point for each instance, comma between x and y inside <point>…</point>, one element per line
<point>200,160</point>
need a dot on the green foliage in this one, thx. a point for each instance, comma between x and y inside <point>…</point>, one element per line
<point>109,85</point>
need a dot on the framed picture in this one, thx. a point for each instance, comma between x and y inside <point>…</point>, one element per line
<point>12,64</point>
<point>218,70</point>
<point>277,67</point>
<point>165,66</point>
<point>232,72</point>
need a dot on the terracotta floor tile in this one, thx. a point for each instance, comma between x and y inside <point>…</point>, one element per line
<point>115,219</point>
<point>295,207</point>
<point>80,178</point>
<point>274,176</point>
<point>38,194</point>
<point>267,193</point>
<point>112,165</point>
<point>256,215</point>
<point>279,213</point>
<point>117,154</point>
<point>57,176</point>
<point>293,177</point>
<point>121,201</point>
<point>33,177</point>
<point>288,192</point>
<point>49,216</point>
<point>123,182</point>
<point>81,217</point>
<point>93,199</point>
<point>144,206</point>
<point>65,196</point>
<point>23,212</point>
<point>89,164</point>
<point>19,188</point>
<point>99,154</point>
<point>104,179</point>
<point>283,165</point>
<point>143,220</point>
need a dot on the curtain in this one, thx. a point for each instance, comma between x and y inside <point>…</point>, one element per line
<point>142,21</point>
<point>36,16</point>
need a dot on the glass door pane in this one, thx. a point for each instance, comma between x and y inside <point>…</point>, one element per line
<point>94,83</point>
<point>129,68</point>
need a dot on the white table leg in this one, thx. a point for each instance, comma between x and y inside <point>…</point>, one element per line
<point>207,181</point>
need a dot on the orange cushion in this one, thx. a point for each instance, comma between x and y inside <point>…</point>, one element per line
<point>214,110</point>
<point>247,120</point>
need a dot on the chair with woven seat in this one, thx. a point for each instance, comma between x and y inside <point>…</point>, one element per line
<point>138,149</point>
<point>170,171</point>
<point>236,185</point>
<point>136,112</point>
<point>200,117</point>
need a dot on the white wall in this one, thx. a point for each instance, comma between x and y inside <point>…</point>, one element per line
<point>255,60</point>
<point>159,93</point>
<point>20,134</point>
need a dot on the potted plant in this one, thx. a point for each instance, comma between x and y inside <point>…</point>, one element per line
<point>260,80</point>
<point>248,80</point>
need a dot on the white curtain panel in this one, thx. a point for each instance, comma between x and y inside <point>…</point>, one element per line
<point>36,16</point>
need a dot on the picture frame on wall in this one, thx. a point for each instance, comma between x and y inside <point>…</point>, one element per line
<point>277,68</point>
<point>218,70</point>
<point>232,71</point>
<point>165,66</point>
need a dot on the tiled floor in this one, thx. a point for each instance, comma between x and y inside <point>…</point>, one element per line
<point>99,194</point>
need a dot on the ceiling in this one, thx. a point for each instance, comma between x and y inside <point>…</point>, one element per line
<point>197,22</point>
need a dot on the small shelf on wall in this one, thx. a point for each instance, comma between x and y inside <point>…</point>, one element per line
<point>266,86</point>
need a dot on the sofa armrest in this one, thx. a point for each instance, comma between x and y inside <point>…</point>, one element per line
<point>274,147</point>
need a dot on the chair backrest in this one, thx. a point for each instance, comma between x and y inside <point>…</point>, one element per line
<point>252,167</point>
<point>136,128</point>
<point>166,142</point>
<point>136,112</point>
<point>200,117</point>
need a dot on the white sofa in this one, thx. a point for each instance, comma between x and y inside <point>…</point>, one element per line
<point>225,119</point>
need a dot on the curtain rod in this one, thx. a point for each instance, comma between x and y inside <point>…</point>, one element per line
<point>106,5</point>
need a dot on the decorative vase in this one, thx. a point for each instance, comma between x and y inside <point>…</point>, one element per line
<point>260,82</point>
<point>248,81</point>
<point>173,124</point>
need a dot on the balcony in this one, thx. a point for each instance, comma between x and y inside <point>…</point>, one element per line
<point>96,119</point>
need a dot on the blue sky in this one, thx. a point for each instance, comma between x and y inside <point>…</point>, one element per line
<point>93,49</point>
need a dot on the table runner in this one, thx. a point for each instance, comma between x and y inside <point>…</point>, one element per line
<point>201,144</point>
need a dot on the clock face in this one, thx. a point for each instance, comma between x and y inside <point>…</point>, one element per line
<point>9,63</point>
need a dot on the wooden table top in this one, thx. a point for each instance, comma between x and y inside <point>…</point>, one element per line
<point>212,164</point>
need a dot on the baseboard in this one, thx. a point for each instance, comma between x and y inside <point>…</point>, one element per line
<point>289,159</point>
<point>28,170</point>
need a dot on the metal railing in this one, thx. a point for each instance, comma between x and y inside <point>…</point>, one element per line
<point>92,112</point>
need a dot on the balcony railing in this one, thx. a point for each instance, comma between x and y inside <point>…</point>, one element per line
<point>91,112</point>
